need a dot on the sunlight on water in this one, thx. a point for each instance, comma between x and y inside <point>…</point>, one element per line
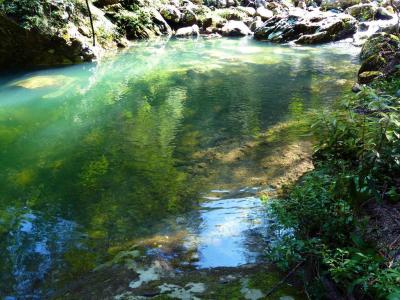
<point>92,155</point>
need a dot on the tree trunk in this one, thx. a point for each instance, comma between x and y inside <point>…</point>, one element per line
<point>91,23</point>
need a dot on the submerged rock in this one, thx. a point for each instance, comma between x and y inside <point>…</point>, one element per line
<point>37,82</point>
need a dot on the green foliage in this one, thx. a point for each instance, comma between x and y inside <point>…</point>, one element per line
<point>313,209</point>
<point>40,14</point>
<point>137,23</point>
<point>364,135</point>
<point>357,159</point>
<point>352,268</point>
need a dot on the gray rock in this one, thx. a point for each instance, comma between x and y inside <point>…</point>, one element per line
<point>337,4</point>
<point>171,13</point>
<point>250,11</point>
<point>188,31</point>
<point>286,298</point>
<point>189,17</point>
<point>264,13</point>
<point>397,93</point>
<point>356,88</point>
<point>257,23</point>
<point>307,28</point>
<point>363,27</point>
<point>227,279</point>
<point>383,14</point>
<point>362,12</point>
<point>235,28</point>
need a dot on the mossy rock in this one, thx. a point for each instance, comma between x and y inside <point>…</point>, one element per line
<point>368,76</point>
<point>232,14</point>
<point>362,12</point>
<point>373,63</point>
<point>379,56</point>
<point>338,4</point>
<point>379,42</point>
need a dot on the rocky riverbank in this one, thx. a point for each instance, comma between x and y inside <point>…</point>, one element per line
<point>48,32</point>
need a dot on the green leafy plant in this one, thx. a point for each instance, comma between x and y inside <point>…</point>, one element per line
<point>357,160</point>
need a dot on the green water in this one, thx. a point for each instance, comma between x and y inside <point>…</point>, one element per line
<point>92,155</point>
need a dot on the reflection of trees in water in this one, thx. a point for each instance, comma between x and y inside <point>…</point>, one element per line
<point>115,174</point>
<point>105,153</point>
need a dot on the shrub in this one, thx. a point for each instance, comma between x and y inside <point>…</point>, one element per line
<point>357,159</point>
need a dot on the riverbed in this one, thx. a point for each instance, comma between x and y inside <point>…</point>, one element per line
<point>94,157</point>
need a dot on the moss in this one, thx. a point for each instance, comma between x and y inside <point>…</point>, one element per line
<point>228,291</point>
<point>79,262</point>
<point>93,171</point>
<point>266,281</point>
<point>377,43</point>
<point>24,177</point>
<point>231,14</point>
<point>368,76</point>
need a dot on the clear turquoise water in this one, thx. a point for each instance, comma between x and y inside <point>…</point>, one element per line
<point>92,155</point>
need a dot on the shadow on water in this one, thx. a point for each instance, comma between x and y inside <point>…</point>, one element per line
<point>94,155</point>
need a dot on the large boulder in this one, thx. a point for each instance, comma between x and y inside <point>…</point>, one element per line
<point>188,31</point>
<point>264,13</point>
<point>189,17</point>
<point>363,12</point>
<point>232,13</point>
<point>257,23</point>
<point>250,11</point>
<point>380,56</point>
<point>235,28</point>
<point>379,42</point>
<point>383,14</point>
<point>145,22</point>
<point>311,28</point>
<point>171,13</point>
<point>54,34</point>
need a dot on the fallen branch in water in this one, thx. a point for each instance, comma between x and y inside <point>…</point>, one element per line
<point>280,283</point>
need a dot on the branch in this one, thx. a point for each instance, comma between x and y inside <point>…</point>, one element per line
<point>91,23</point>
<point>280,283</point>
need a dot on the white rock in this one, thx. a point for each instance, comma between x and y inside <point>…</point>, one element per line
<point>188,31</point>
<point>235,28</point>
<point>264,13</point>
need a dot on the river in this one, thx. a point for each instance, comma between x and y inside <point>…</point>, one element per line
<point>96,155</point>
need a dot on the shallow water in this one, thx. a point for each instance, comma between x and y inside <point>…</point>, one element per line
<point>230,230</point>
<point>93,155</point>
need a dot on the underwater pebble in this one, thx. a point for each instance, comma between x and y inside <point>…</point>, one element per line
<point>184,293</point>
<point>250,294</point>
<point>286,298</point>
<point>227,279</point>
